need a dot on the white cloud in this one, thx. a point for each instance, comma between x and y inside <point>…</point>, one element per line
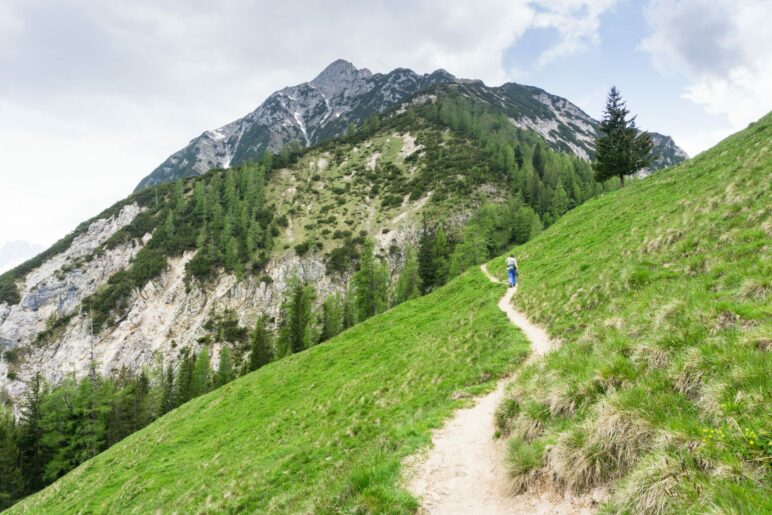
<point>93,95</point>
<point>576,21</point>
<point>724,49</point>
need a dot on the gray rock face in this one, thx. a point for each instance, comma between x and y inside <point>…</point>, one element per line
<point>56,288</point>
<point>307,113</point>
<point>165,315</point>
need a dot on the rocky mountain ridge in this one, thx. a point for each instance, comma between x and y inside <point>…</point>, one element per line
<point>342,95</point>
<point>308,113</point>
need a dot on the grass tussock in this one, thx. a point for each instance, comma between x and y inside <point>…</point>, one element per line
<point>661,294</point>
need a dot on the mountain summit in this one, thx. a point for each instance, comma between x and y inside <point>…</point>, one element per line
<point>340,75</point>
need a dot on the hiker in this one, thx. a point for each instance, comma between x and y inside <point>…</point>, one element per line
<point>512,271</point>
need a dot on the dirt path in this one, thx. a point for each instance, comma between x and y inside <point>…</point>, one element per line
<point>465,471</point>
<point>540,341</point>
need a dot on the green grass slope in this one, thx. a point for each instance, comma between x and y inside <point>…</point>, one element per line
<point>660,294</point>
<point>323,430</point>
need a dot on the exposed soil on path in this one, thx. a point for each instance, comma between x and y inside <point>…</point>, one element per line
<point>465,471</point>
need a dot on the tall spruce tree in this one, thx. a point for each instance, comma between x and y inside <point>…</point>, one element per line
<point>332,317</point>
<point>262,347</point>
<point>371,284</point>
<point>538,161</point>
<point>167,389</point>
<point>426,259</point>
<point>297,316</point>
<point>31,449</point>
<point>200,383</point>
<point>224,368</point>
<point>10,474</point>
<point>620,149</point>
<point>409,283</point>
<point>184,379</point>
<point>440,257</point>
<point>349,310</point>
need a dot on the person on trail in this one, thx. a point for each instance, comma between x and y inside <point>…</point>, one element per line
<point>512,271</point>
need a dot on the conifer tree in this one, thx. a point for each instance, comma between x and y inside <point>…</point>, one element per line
<point>31,449</point>
<point>371,284</point>
<point>184,379</point>
<point>225,367</point>
<point>519,160</point>
<point>169,225</point>
<point>178,197</point>
<point>409,283</point>
<point>230,191</point>
<point>266,161</point>
<point>90,408</point>
<point>297,316</point>
<point>426,259</point>
<point>200,202</point>
<point>200,384</point>
<point>262,347</point>
<point>620,150</point>
<point>11,482</point>
<point>332,317</point>
<point>141,413</point>
<point>167,392</point>
<point>440,257</point>
<point>349,310</point>
<point>260,186</point>
<point>559,203</point>
<point>538,161</point>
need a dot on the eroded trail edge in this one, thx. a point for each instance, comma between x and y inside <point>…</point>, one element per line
<point>465,471</point>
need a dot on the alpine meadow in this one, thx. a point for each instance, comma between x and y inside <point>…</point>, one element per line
<point>419,288</point>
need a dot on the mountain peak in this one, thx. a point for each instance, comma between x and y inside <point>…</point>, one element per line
<point>340,72</point>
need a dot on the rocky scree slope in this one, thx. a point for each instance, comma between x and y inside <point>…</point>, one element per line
<point>343,95</point>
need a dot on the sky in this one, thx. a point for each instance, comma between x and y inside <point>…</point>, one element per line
<point>94,95</point>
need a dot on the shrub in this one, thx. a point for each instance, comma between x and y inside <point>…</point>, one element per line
<point>301,248</point>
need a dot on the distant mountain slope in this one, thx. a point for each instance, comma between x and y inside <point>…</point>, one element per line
<point>660,391</point>
<point>562,124</point>
<point>307,113</point>
<point>343,95</point>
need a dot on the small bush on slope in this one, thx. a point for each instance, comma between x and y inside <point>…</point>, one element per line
<point>660,294</point>
<point>323,430</point>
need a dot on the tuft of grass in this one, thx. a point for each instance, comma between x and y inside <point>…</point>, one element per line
<point>324,430</point>
<point>525,461</point>
<point>660,293</point>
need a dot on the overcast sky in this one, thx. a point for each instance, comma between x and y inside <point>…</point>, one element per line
<point>94,94</point>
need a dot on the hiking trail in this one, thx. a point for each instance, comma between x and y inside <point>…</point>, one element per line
<point>465,470</point>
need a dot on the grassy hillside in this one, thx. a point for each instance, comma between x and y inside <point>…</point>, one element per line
<point>323,430</point>
<point>660,294</point>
